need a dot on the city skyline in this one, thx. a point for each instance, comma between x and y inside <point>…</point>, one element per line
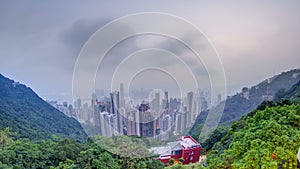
<point>162,118</point>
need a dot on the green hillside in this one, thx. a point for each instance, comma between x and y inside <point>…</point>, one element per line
<point>273,126</point>
<point>237,105</point>
<point>26,113</point>
<point>268,137</point>
<point>65,153</point>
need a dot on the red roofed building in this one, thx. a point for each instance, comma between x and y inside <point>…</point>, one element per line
<point>186,147</point>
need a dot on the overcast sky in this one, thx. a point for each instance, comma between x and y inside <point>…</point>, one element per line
<point>40,40</point>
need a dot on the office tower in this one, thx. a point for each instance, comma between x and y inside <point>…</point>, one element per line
<point>165,122</point>
<point>78,105</point>
<point>122,97</point>
<point>178,122</point>
<point>194,110</point>
<point>105,131</point>
<point>114,109</point>
<point>166,100</point>
<point>114,100</point>
<point>138,122</point>
<point>219,98</point>
<point>94,98</point>
<point>156,102</point>
<point>189,108</point>
<point>185,119</point>
<point>131,123</point>
<point>147,125</point>
<point>190,101</point>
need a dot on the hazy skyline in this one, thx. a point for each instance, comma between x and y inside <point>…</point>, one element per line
<point>40,40</point>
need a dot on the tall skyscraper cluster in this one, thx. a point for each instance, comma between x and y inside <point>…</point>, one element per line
<point>160,117</point>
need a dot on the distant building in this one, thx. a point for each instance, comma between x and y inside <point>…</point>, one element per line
<point>189,111</point>
<point>166,100</point>
<point>131,124</point>
<point>186,147</point>
<point>245,92</point>
<point>219,98</point>
<point>156,102</point>
<point>146,126</point>
<point>204,104</point>
<point>122,96</point>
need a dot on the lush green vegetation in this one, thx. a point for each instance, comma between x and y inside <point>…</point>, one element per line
<point>217,135</point>
<point>268,137</point>
<point>189,166</point>
<point>31,117</point>
<point>39,136</point>
<point>132,147</point>
<point>64,153</point>
<point>23,129</point>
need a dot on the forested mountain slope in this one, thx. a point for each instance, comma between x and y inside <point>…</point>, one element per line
<point>268,137</point>
<point>244,102</point>
<point>26,113</point>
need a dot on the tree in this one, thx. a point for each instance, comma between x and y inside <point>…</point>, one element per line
<point>172,161</point>
<point>6,138</point>
<point>268,139</point>
<point>181,160</point>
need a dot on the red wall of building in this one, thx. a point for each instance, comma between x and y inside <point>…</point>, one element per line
<point>189,154</point>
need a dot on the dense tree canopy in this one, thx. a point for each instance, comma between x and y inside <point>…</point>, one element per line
<point>64,153</point>
<point>269,139</point>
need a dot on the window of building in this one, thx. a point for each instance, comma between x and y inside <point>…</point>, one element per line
<point>179,152</point>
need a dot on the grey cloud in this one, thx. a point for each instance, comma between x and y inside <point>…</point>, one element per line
<point>263,36</point>
<point>79,32</point>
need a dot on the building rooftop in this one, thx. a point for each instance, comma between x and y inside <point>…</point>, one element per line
<point>184,142</point>
<point>188,142</point>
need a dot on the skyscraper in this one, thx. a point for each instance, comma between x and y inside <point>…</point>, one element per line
<point>115,106</point>
<point>122,97</point>
<point>156,102</point>
<point>166,100</point>
<point>189,108</point>
<point>146,126</point>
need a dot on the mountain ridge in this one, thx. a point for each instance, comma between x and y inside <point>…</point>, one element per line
<point>21,104</point>
<point>241,103</point>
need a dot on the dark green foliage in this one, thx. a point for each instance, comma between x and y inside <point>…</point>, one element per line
<point>128,146</point>
<point>21,127</point>
<point>66,153</point>
<point>29,115</point>
<point>196,131</point>
<point>172,161</point>
<point>5,138</point>
<point>216,136</point>
<point>266,138</point>
<point>263,106</point>
<point>198,125</point>
<point>237,106</point>
<point>224,142</point>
